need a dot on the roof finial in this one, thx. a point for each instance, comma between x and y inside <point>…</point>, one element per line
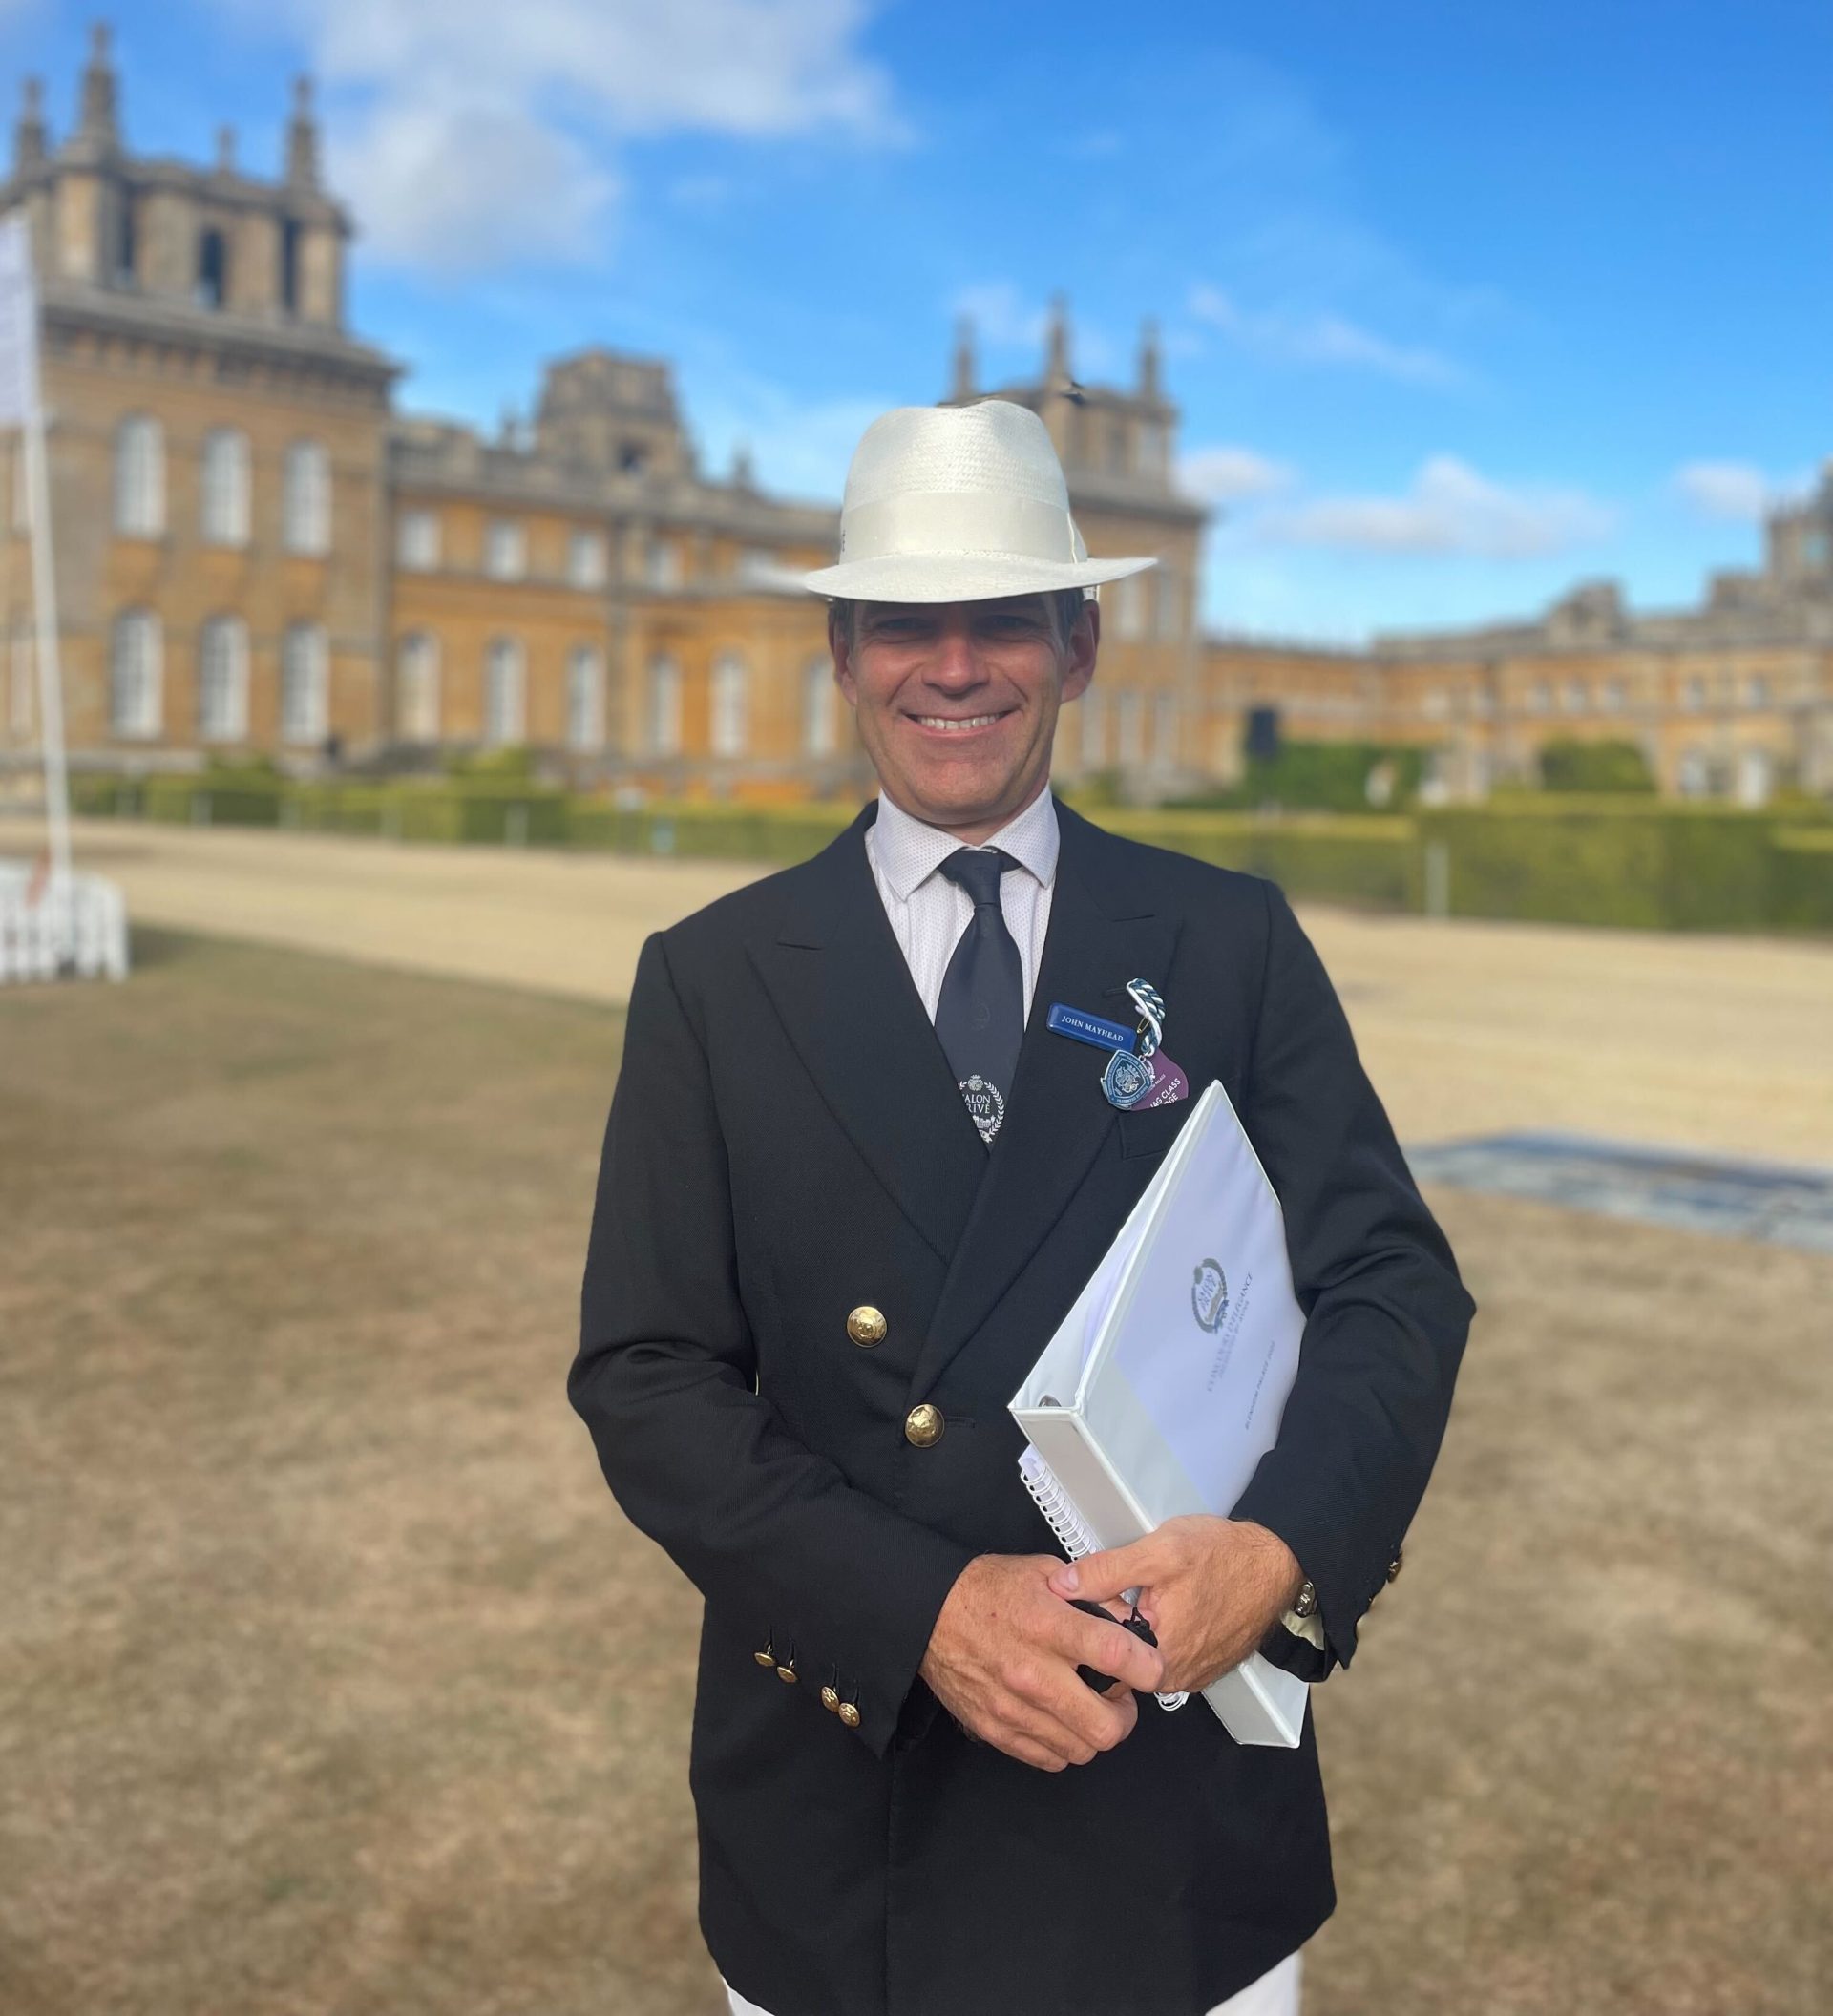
<point>1149,374</point>
<point>744,472</point>
<point>963,386</point>
<point>225,150</point>
<point>29,129</point>
<point>301,137</point>
<point>1056,359</point>
<point>100,116</point>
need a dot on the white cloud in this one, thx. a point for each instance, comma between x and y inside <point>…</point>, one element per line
<point>474,136</point>
<point>1449,508</point>
<point>1326,339</point>
<point>1227,476</point>
<point>1725,490</point>
<point>1001,315</point>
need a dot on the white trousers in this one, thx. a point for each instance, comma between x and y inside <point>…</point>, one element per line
<point>1275,1994</point>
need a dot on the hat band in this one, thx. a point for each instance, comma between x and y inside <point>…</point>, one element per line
<point>958,521</point>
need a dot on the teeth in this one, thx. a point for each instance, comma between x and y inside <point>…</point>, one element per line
<point>949,725</point>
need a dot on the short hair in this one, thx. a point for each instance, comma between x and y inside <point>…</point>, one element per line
<point>1065,605</point>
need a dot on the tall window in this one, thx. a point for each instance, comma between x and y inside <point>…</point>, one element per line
<point>1573,695</point>
<point>290,236</point>
<point>819,707</point>
<point>585,558</point>
<point>213,269</point>
<point>1540,697</point>
<point>134,674</point>
<point>1613,695</point>
<point>417,540</point>
<point>1129,608</point>
<point>1165,728</point>
<point>728,705</point>
<point>1693,696</point>
<point>1170,604</point>
<point>222,680</point>
<point>1757,691</point>
<point>585,697</point>
<point>140,477</point>
<point>1094,729</point>
<point>664,711</point>
<point>22,704</point>
<point>304,710</point>
<point>21,486</point>
<point>417,688</point>
<point>505,552</point>
<point>226,486</point>
<point>305,498</point>
<point>661,564</point>
<point>503,705</point>
<point>1132,718</point>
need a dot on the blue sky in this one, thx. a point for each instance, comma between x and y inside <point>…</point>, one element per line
<point>1462,303</point>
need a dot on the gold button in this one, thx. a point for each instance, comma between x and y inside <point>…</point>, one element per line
<point>867,1326</point>
<point>1394,1566</point>
<point>765,1657</point>
<point>850,1714</point>
<point>787,1673</point>
<point>924,1426</point>
<point>830,1700</point>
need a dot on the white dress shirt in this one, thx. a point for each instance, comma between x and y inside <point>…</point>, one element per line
<point>929,912</point>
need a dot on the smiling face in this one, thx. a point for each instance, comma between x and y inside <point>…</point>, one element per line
<point>957,701</point>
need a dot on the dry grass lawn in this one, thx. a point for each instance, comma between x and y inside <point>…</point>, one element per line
<point>331,1680</point>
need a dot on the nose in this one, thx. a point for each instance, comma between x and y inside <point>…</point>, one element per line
<point>952,665</point>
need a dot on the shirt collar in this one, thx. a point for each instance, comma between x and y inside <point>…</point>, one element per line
<point>908,852</point>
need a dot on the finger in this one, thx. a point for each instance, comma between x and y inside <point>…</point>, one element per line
<point>1092,1722</point>
<point>1110,1650</point>
<point>1100,1576</point>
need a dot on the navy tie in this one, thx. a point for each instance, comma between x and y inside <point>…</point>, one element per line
<point>979,1015</point>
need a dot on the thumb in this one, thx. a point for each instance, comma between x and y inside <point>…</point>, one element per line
<point>1100,1576</point>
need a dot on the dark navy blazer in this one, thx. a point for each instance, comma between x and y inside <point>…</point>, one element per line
<point>787,1142</point>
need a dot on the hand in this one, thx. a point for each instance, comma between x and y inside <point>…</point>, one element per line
<point>1210,1589</point>
<point>1002,1659</point>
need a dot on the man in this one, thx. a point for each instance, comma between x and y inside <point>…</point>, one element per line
<point>850,1185</point>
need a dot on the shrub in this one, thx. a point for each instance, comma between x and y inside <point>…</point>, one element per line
<point>1567,765</point>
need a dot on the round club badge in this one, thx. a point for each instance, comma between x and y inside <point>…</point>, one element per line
<point>1127,1080</point>
<point>984,1106</point>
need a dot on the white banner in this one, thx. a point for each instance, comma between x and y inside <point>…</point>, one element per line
<point>18,323</point>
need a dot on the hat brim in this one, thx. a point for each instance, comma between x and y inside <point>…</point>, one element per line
<point>965,576</point>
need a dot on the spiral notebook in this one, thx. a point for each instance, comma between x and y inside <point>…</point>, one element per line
<point>1164,1385</point>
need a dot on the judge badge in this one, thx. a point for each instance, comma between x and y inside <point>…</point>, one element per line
<point>1137,1073</point>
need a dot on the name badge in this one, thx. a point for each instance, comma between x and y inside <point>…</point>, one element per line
<point>1086,1028</point>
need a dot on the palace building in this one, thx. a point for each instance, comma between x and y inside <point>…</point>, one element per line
<point>258,554</point>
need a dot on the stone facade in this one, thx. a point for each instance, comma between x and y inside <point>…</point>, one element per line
<point>257,554</point>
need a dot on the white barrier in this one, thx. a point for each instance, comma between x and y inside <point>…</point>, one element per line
<point>73,927</point>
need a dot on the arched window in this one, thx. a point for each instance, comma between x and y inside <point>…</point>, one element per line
<point>134,674</point>
<point>140,477</point>
<point>731,678</point>
<point>585,559</point>
<point>1132,718</point>
<point>663,713</point>
<point>503,706</point>
<point>305,498</point>
<point>213,269</point>
<point>585,697</point>
<point>416,710</point>
<point>505,549</point>
<point>819,698</point>
<point>226,486</point>
<point>304,712</point>
<point>1094,729</point>
<point>222,680</point>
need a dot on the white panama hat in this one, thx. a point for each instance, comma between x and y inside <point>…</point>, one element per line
<point>959,504</point>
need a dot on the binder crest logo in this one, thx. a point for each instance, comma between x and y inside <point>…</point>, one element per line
<point>1209,1295</point>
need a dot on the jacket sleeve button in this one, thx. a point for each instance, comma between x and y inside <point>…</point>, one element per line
<point>849,1713</point>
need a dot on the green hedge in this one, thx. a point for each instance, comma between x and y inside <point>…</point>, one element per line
<point>1619,861</point>
<point>1370,862</point>
<point>1576,859</point>
<point>1801,879</point>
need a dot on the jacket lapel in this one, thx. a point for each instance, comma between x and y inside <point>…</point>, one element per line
<point>1103,932</point>
<point>840,983</point>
